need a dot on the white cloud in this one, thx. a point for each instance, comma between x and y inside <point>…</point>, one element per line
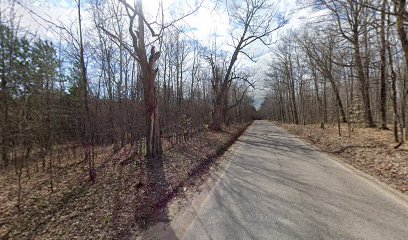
<point>35,16</point>
<point>203,24</point>
<point>298,17</point>
<point>207,22</point>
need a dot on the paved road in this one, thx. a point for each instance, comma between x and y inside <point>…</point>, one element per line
<point>278,187</point>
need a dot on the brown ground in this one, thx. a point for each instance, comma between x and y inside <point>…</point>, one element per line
<point>128,196</point>
<point>370,150</point>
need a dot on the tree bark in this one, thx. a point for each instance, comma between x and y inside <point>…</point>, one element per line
<point>383,87</point>
<point>292,92</point>
<point>4,130</point>
<point>338,99</point>
<point>401,11</point>
<point>4,95</point>
<point>148,73</point>
<point>364,84</point>
<point>153,141</point>
<point>218,114</point>
<point>87,140</point>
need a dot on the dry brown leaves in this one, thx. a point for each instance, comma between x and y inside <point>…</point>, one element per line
<point>124,200</point>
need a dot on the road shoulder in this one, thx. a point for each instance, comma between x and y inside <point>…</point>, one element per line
<point>379,185</point>
<point>183,210</point>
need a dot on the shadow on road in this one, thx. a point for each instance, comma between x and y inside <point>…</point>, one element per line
<point>278,184</point>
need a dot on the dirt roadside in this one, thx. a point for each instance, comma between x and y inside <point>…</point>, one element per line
<point>183,210</point>
<point>126,200</point>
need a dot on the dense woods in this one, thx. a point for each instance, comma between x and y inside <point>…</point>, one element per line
<point>347,66</point>
<point>116,85</point>
<point>118,79</point>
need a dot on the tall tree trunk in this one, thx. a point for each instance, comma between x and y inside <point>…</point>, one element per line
<point>87,141</point>
<point>225,119</point>
<point>364,84</point>
<point>4,124</point>
<point>393,82</point>
<point>325,113</point>
<point>148,77</point>
<point>400,12</point>
<point>383,87</point>
<point>219,87</point>
<point>338,99</point>
<point>293,93</point>
<point>153,141</point>
<point>394,95</point>
<point>319,100</point>
<point>217,118</point>
<point>4,100</point>
<point>403,98</point>
<point>329,73</point>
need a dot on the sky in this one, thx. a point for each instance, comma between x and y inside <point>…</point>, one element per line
<point>204,23</point>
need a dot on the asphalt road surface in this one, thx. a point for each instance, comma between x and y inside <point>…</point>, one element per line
<point>278,187</point>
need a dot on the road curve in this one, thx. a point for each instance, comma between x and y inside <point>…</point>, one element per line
<point>278,187</point>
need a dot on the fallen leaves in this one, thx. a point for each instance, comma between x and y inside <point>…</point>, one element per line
<point>129,193</point>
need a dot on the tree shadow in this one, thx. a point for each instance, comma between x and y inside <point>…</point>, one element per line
<point>144,200</point>
<point>157,195</point>
<point>267,191</point>
<point>152,195</point>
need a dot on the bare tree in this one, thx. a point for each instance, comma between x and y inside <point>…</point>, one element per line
<point>255,20</point>
<point>147,61</point>
<point>324,56</point>
<point>351,20</point>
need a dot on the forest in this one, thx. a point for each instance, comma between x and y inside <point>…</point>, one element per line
<point>115,85</point>
<point>348,66</point>
<point>119,98</point>
<point>341,83</point>
<point>104,89</point>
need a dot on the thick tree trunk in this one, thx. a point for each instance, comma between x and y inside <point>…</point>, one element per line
<point>217,115</point>
<point>404,100</point>
<point>383,87</point>
<point>401,11</point>
<point>394,100</point>
<point>293,100</point>
<point>148,75</point>
<point>220,90</point>
<point>225,109</point>
<point>319,100</point>
<point>153,141</point>
<point>393,84</point>
<point>4,132</point>
<point>364,85</point>
<point>4,99</point>
<point>325,113</point>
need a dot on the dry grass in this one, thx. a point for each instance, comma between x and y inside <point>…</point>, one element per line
<point>125,199</point>
<point>369,149</point>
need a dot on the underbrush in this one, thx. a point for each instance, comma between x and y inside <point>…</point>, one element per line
<point>127,197</point>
